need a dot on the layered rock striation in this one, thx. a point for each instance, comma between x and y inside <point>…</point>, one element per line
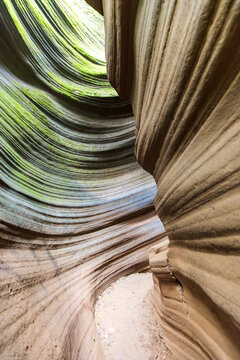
<point>75,207</point>
<point>178,63</point>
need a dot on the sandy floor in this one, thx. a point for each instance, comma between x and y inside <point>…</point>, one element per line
<point>126,321</point>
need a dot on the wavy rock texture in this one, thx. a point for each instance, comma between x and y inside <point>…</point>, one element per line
<point>178,62</point>
<point>76,208</point>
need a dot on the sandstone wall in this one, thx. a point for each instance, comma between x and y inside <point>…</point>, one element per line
<point>75,207</point>
<point>178,63</point>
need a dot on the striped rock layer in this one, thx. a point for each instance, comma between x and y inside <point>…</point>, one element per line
<point>75,207</point>
<point>178,63</point>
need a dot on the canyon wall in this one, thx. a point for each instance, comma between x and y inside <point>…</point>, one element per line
<point>76,209</point>
<point>178,63</point>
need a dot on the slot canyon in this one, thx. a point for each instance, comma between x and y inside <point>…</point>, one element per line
<point>120,154</point>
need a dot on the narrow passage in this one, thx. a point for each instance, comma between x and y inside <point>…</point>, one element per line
<point>127,321</point>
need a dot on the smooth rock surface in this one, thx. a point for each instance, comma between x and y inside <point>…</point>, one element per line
<point>75,207</point>
<point>179,67</point>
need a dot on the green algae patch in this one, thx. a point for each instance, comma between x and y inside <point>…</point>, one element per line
<point>63,42</point>
<point>55,146</point>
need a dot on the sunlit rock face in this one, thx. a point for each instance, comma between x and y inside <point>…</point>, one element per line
<point>178,63</point>
<point>76,208</point>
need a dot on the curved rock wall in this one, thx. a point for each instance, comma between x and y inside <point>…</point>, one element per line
<point>181,73</point>
<point>75,207</point>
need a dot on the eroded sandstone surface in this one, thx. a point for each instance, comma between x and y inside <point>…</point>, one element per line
<point>76,208</point>
<point>178,63</point>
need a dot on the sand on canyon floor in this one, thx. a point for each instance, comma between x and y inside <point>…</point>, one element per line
<point>127,321</point>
